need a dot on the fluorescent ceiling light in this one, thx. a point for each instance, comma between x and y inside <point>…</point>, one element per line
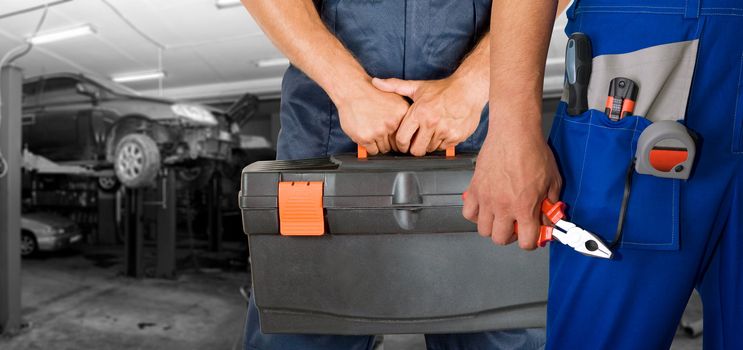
<point>124,78</point>
<point>272,62</point>
<point>223,4</point>
<point>58,35</point>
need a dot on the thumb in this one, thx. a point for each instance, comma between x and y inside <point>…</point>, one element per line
<point>398,86</point>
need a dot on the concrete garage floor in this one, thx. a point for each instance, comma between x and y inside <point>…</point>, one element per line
<point>80,300</point>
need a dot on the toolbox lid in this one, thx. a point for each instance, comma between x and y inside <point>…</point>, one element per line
<point>350,162</point>
<point>392,194</point>
<point>348,176</point>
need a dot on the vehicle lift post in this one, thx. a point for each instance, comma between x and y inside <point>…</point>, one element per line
<point>214,211</point>
<point>107,218</point>
<point>166,227</point>
<point>133,234</point>
<point>11,80</point>
<point>164,202</point>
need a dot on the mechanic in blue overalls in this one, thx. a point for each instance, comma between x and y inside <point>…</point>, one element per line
<point>433,52</point>
<point>687,58</point>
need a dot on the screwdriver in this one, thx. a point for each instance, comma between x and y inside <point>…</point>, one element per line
<point>578,56</point>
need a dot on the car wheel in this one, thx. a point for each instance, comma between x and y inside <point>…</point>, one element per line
<point>137,161</point>
<point>29,246</point>
<point>108,184</point>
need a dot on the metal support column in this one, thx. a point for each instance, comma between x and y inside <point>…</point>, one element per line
<point>166,227</point>
<point>11,80</point>
<point>107,225</point>
<point>134,231</point>
<point>214,208</point>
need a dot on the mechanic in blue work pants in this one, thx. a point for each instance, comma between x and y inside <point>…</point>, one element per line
<point>433,52</point>
<point>687,58</point>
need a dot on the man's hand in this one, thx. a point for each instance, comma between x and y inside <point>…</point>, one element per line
<point>515,172</point>
<point>367,114</point>
<point>515,169</point>
<point>444,113</point>
<point>370,117</point>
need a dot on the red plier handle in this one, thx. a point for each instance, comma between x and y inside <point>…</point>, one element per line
<point>553,211</point>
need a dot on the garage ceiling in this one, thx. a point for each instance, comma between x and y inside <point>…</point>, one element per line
<point>207,53</point>
<point>202,45</point>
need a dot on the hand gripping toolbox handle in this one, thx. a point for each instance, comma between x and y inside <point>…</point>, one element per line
<point>362,154</point>
<point>301,211</point>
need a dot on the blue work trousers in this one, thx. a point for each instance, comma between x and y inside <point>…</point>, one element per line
<point>687,58</point>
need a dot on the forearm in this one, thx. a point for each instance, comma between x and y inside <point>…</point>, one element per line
<point>297,30</point>
<point>475,69</point>
<point>520,35</point>
<point>474,72</point>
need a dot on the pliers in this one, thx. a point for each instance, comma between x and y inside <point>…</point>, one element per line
<point>566,232</point>
<point>570,234</point>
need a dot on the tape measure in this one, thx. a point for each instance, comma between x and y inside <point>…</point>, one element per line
<point>665,149</point>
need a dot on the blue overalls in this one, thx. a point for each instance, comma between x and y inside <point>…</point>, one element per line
<point>414,40</point>
<point>678,235</point>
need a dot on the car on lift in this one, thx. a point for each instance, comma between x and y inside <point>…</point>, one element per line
<point>47,232</point>
<point>75,119</point>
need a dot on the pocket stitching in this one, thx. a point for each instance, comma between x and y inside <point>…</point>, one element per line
<point>674,211</point>
<point>582,167</point>
<point>556,140</point>
<point>737,133</point>
<point>675,229</point>
<point>598,126</point>
<point>674,195</point>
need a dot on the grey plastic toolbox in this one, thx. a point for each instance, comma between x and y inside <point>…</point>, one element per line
<point>393,255</point>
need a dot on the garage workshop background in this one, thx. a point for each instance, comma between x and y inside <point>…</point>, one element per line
<point>152,255</point>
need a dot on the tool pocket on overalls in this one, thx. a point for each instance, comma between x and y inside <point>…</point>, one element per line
<point>594,154</point>
<point>738,120</point>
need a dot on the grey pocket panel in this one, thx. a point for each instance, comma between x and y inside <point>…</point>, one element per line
<point>663,73</point>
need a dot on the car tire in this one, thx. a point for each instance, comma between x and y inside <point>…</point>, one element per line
<point>137,161</point>
<point>108,184</point>
<point>29,246</point>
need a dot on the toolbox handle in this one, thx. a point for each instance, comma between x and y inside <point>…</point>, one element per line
<point>362,154</point>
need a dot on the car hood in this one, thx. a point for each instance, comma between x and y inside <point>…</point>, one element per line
<point>170,102</point>
<point>49,219</point>
<point>148,99</point>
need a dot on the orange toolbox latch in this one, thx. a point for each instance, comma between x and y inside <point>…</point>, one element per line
<point>300,208</point>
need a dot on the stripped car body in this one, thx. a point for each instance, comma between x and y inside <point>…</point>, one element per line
<point>80,120</point>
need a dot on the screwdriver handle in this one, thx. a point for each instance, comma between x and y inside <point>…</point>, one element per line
<point>578,57</point>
